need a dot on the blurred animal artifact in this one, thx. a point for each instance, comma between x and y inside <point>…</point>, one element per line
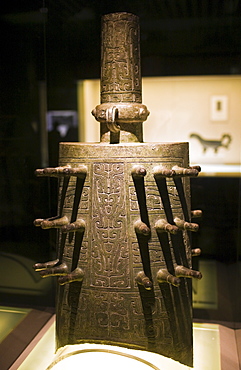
<point>224,142</point>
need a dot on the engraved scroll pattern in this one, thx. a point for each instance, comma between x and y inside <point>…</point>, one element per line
<point>111,315</point>
<point>109,250</point>
<point>121,78</point>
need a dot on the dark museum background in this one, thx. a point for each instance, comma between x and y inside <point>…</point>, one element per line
<point>46,47</point>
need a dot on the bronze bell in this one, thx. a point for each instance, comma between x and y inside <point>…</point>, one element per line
<point>124,220</point>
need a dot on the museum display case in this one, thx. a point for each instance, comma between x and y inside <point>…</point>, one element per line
<point>191,84</point>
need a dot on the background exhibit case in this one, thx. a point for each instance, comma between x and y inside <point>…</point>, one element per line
<point>189,54</point>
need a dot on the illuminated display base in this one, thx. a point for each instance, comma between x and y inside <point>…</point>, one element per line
<point>214,349</point>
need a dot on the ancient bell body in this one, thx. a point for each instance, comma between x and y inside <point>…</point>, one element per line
<point>124,257</point>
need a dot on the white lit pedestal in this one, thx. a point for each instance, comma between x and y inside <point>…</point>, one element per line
<point>215,348</point>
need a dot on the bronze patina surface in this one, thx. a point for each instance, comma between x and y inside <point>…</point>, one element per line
<point>121,111</point>
<point>124,221</point>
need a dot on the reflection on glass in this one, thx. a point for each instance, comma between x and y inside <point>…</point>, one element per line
<point>9,319</point>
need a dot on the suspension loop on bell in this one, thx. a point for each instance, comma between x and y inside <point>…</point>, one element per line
<point>111,115</point>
